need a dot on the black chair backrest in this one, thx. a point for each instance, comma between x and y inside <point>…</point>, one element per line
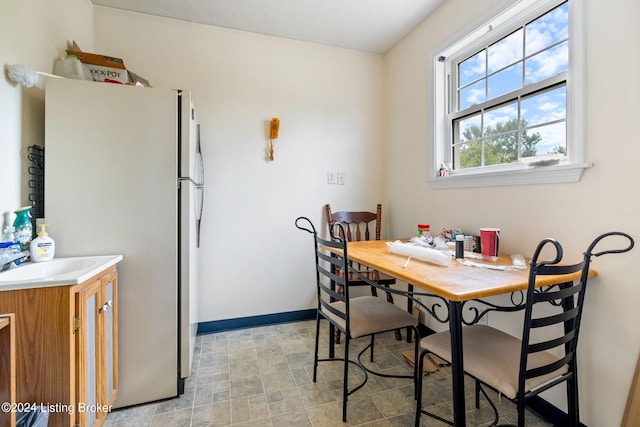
<point>569,297</point>
<point>327,264</point>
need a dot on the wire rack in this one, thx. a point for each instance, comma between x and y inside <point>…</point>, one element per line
<point>36,182</point>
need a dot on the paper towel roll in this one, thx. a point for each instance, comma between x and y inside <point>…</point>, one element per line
<point>426,254</point>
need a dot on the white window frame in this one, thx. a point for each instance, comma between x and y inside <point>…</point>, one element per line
<point>503,20</point>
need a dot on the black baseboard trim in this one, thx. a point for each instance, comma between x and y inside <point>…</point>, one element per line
<point>549,412</point>
<point>253,321</point>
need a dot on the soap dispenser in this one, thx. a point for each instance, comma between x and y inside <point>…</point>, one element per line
<point>43,247</point>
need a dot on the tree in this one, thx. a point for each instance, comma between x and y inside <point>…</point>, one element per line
<point>500,144</point>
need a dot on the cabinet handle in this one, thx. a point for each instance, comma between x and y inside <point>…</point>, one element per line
<point>106,306</point>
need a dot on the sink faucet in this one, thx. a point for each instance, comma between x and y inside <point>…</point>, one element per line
<point>5,263</point>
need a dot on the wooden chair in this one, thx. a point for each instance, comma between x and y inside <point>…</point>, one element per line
<point>545,355</point>
<point>356,227</point>
<point>356,317</point>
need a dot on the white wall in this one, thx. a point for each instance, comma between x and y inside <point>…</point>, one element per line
<point>253,260</point>
<point>33,33</point>
<point>603,200</point>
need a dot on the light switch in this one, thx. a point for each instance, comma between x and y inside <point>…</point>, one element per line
<point>340,178</point>
<point>331,177</point>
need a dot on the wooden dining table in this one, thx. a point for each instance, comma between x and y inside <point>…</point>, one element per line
<point>455,284</point>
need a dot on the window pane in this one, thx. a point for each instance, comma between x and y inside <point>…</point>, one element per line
<point>550,139</point>
<point>468,129</point>
<point>547,63</point>
<point>501,149</point>
<point>472,69</point>
<point>544,107</point>
<point>501,119</point>
<point>470,155</point>
<point>505,52</point>
<point>547,30</point>
<point>505,81</point>
<point>528,141</point>
<point>471,95</point>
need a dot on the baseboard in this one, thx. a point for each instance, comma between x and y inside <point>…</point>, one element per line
<point>549,412</point>
<point>253,321</point>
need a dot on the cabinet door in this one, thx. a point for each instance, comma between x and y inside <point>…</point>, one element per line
<point>97,349</point>
<point>109,368</point>
<point>87,352</point>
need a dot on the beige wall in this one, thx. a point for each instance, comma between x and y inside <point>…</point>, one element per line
<point>603,200</point>
<point>333,117</point>
<point>253,260</point>
<point>33,33</point>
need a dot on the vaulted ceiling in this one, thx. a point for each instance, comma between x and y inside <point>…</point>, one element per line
<point>367,25</point>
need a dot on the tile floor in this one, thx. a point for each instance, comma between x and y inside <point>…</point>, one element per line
<point>263,377</point>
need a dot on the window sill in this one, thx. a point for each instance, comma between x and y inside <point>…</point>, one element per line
<point>540,175</point>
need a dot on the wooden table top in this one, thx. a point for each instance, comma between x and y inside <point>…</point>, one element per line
<point>457,282</point>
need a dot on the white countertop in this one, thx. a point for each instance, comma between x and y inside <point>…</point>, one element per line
<point>59,271</point>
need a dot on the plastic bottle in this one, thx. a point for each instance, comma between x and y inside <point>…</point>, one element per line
<point>424,230</point>
<point>23,227</point>
<point>71,68</point>
<point>43,247</point>
<point>9,234</point>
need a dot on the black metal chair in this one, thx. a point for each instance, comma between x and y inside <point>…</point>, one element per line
<point>356,317</point>
<point>357,225</point>
<point>522,368</point>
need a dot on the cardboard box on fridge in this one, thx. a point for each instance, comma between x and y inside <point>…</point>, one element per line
<point>102,67</point>
<point>105,68</point>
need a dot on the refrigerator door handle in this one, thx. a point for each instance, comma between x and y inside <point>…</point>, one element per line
<point>189,179</point>
<point>199,187</point>
<point>199,159</point>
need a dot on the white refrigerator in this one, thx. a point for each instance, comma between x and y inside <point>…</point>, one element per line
<point>124,175</point>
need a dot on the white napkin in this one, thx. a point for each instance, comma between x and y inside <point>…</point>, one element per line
<point>426,254</point>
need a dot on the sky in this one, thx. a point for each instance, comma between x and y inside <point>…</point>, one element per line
<point>537,51</point>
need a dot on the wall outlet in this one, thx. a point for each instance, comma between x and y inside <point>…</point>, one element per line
<point>340,178</point>
<point>331,177</point>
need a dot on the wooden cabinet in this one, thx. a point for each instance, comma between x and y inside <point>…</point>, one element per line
<point>66,348</point>
<point>96,349</point>
<point>7,368</point>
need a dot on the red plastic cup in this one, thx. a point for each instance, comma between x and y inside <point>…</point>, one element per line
<point>489,242</point>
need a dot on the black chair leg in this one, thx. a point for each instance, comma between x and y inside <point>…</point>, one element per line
<point>420,365</point>
<point>416,373</point>
<point>572,402</point>
<point>345,387</point>
<point>315,353</point>
<point>521,409</point>
<point>373,340</point>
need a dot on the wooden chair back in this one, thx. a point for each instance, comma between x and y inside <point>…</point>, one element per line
<point>356,224</point>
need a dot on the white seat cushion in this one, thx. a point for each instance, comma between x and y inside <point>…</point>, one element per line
<point>493,357</point>
<point>370,315</point>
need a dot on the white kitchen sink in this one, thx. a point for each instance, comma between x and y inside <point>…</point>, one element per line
<point>58,271</point>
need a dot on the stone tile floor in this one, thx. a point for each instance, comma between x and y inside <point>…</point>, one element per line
<point>263,377</point>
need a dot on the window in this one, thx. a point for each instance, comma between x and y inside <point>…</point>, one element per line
<point>508,99</point>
